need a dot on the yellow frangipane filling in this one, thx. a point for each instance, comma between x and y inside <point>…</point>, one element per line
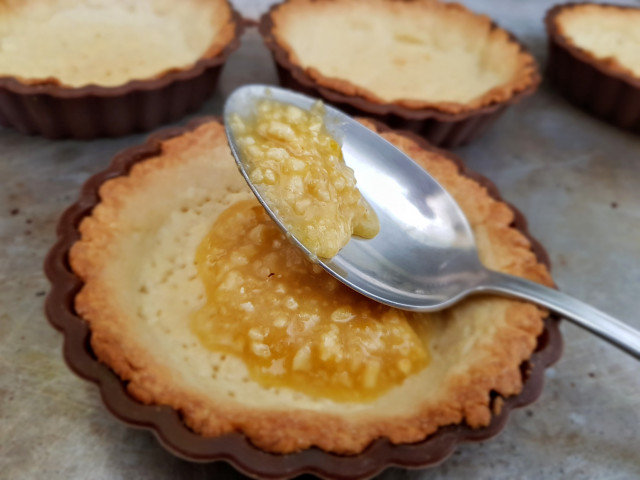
<point>291,323</point>
<point>298,168</point>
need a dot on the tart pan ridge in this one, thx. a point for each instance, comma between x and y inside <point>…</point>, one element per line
<point>440,128</point>
<point>234,448</point>
<point>50,109</point>
<point>599,86</point>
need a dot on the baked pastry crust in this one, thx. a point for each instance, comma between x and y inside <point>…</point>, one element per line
<point>36,102</point>
<point>73,43</point>
<point>594,60</point>
<point>287,26</point>
<point>119,230</point>
<point>607,34</point>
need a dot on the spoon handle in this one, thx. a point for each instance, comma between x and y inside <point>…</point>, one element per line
<point>614,331</point>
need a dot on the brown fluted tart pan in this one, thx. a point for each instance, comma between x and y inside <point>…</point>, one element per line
<point>137,391</point>
<point>594,59</point>
<point>431,67</point>
<point>109,68</point>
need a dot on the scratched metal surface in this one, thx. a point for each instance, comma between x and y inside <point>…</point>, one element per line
<point>575,178</point>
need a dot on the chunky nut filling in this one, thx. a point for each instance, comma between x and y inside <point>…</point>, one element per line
<point>291,322</point>
<point>299,170</point>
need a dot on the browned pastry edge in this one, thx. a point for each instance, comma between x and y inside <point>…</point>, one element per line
<point>345,92</point>
<point>604,87</point>
<point>234,447</point>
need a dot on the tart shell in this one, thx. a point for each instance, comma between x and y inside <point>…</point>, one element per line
<point>56,111</point>
<point>450,128</point>
<point>235,448</point>
<point>602,87</point>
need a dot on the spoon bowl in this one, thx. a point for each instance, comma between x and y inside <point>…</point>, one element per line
<point>424,258</point>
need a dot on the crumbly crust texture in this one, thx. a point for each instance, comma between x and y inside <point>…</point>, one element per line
<point>607,34</point>
<point>414,54</point>
<point>135,257</point>
<point>75,43</point>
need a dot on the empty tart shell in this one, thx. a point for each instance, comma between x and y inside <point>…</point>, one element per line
<point>594,59</point>
<point>263,435</point>
<point>434,68</point>
<point>79,69</point>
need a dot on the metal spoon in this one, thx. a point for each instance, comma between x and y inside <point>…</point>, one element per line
<point>424,258</point>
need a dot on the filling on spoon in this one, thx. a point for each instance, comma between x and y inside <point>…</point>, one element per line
<point>297,167</point>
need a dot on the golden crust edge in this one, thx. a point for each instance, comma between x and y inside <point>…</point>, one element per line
<point>527,71</point>
<point>277,431</point>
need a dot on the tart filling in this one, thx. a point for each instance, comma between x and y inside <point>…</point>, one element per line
<point>108,42</point>
<point>298,168</point>
<point>608,33</point>
<point>291,323</point>
<point>416,54</point>
<point>150,290</point>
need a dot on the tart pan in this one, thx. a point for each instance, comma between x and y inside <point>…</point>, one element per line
<point>592,84</point>
<point>234,448</point>
<point>439,128</point>
<point>55,111</point>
